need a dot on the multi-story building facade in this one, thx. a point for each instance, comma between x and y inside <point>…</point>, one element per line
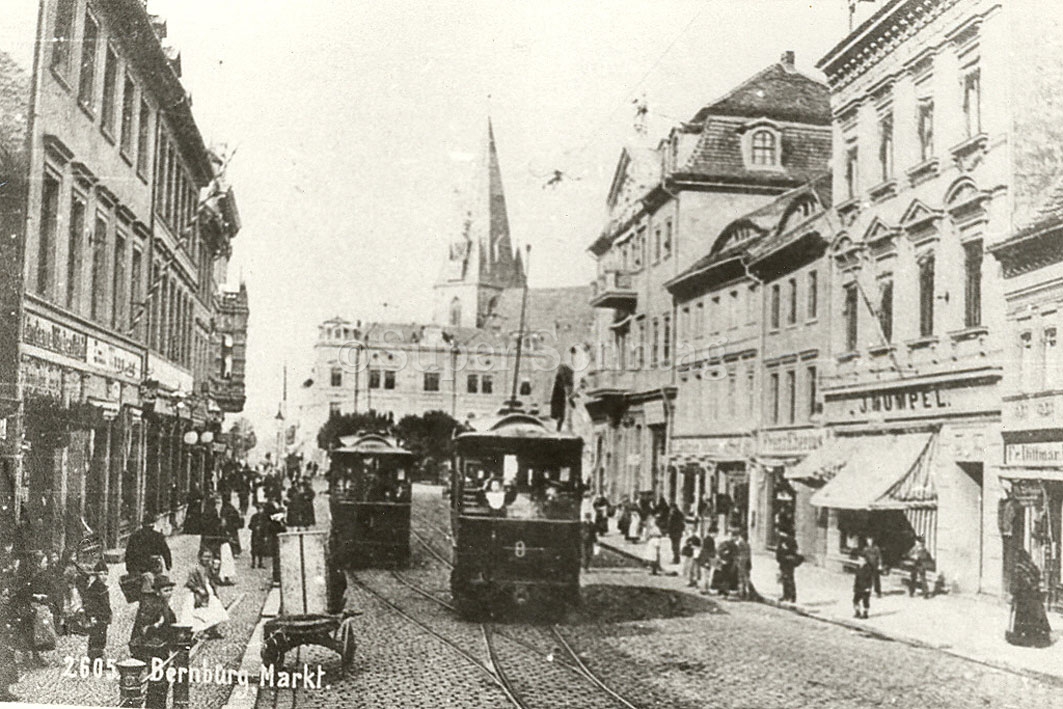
<point>126,229</point>
<point>669,209</point>
<point>936,158</point>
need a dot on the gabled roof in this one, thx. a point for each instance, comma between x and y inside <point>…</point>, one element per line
<point>787,230</point>
<point>564,310</point>
<point>778,92</point>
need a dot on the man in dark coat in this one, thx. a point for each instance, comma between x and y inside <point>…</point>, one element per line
<point>232,523</point>
<point>144,544</point>
<point>588,534</point>
<point>676,525</point>
<point>873,554</point>
<point>787,558</point>
<point>862,582</point>
<point>96,600</point>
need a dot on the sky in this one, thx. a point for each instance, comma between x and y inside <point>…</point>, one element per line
<point>358,125</point>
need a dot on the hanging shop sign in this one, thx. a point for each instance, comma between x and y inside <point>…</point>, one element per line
<point>791,442</point>
<point>1027,492</point>
<point>1047,453</point>
<point>721,447</point>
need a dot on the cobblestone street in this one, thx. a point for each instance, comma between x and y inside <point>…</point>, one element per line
<point>648,640</point>
<point>59,682</point>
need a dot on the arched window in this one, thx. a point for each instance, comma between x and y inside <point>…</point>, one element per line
<point>763,148</point>
<point>455,312</point>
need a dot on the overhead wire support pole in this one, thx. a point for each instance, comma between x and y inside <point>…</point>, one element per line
<point>520,328</point>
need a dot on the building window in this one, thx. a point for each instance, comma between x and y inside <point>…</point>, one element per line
<point>666,340</point>
<point>337,377</point>
<point>46,238</point>
<point>657,244</point>
<point>136,263</point>
<point>885,146</point>
<point>714,314</point>
<point>972,101</point>
<point>972,284</point>
<point>763,144</point>
<point>99,268</point>
<point>640,344</point>
<point>1026,364</point>
<point>885,309</point>
<point>525,388</point>
<point>431,381</point>
<point>333,408</point>
<point>472,384</point>
<point>636,246</point>
<point>699,318</point>
<point>389,379</point>
<point>791,313</point>
<point>125,142</point>
<point>487,384</point>
<point>118,299</point>
<point>776,306</point>
<point>926,296</point>
<point>1050,340</point>
<point>89,42</point>
<point>143,133</point>
<point>849,316</point>
<point>751,304</point>
<point>812,302</point>
<point>75,251</point>
<point>810,373</point>
<point>791,396</point>
<point>852,175</point>
<point>374,378</point>
<point>666,246</point>
<point>455,312</point>
<point>732,310</point>
<point>925,119</point>
<point>110,87</point>
<point>62,35</point>
<point>655,341</point>
<point>750,391</point>
<point>774,384</point>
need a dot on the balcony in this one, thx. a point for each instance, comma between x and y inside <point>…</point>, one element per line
<point>603,383</point>
<point>614,289</point>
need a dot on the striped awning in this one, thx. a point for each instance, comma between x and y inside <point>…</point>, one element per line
<point>890,471</point>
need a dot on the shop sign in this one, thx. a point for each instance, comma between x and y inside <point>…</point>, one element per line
<point>795,441</point>
<point>906,402</point>
<point>1048,453</point>
<point>113,359</point>
<point>1027,492</point>
<point>732,447</point>
<point>42,378</point>
<point>42,332</point>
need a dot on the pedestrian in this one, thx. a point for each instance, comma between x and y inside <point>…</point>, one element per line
<point>873,554</point>
<point>707,560</point>
<point>661,511</point>
<point>143,544</point>
<point>601,514</point>
<point>863,582</point>
<point>212,534</point>
<point>690,564</point>
<point>1028,624</point>
<point>205,610</point>
<point>588,532</point>
<point>788,559</point>
<point>193,511</point>
<point>232,523</point>
<point>743,565</point>
<point>23,597</point>
<point>653,542</point>
<point>295,503</point>
<point>676,524</point>
<point>624,520</point>
<point>259,526</point>
<point>920,557</point>
<point>96,599</point>
<point>310,519</point>
<point>243,491</point>
<point>645,512</point>
<point>725,578</point>
<point>9,632</point>
<point>152,635</point>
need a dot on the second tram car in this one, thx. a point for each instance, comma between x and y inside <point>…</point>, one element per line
<point>515,505</point>
<point>369,500</point>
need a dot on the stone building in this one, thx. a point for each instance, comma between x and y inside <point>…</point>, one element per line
<point>124,227</point>
<point>939,152</point>
<point>671,211</point>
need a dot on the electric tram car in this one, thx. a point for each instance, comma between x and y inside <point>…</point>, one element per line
<point>515,505</point>
<point>369,500</point>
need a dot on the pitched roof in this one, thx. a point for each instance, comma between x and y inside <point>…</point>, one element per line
<point>565,312</point>
<point>719,154</point>
<point>1048,215</point>
<point>778,92</point>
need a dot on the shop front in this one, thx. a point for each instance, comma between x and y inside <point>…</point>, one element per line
<point>783,503</point>
<point>715,477</point>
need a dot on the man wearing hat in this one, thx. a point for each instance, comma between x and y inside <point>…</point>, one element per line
<point>144,544</point>
<point>96,601</point>
<point>152,634</point>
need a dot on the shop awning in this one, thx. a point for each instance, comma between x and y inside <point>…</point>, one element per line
<point>825,462</point>
<point>881,472</point>
<point>1047,474</point>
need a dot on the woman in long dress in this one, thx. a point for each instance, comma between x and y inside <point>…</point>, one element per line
<point>203,610</point>
<point>1028,625</point>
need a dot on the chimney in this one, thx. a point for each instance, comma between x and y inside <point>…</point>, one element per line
<point>787,60</point>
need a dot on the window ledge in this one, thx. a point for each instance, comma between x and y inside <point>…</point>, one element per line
<point>847,356</point>
<point>969,153</point>
<point>969,333</point>
<point>921,342</point>
<point>884,190</point>
<point>924,171</point>
<point>881,350</point>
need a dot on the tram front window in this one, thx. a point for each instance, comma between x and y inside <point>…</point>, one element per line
<point>523,488</point>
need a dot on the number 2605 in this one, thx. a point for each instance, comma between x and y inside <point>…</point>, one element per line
<point>85,668</point>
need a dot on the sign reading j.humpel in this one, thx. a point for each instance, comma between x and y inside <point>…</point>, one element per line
<point>926,399</point>
<point>1048,453</point>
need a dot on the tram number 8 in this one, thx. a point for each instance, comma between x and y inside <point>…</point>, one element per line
<point>519,550</point>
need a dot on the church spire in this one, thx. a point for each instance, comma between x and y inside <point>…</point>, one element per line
<point>498,267</point>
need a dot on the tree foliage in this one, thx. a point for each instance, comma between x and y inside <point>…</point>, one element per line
<point>430,437</point>
<point>328,436</point>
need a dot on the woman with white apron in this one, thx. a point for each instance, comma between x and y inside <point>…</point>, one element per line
<point>202,609</point>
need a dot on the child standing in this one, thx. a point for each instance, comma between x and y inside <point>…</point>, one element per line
<point>707,561</point>
<point>96,599</point>
<point>689,553</point>
<point>259,526</point>
<point>862,585</point>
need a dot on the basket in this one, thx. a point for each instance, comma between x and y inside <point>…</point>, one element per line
<point>132,586</point>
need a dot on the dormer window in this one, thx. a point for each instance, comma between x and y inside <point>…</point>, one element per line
<point>763,148</point>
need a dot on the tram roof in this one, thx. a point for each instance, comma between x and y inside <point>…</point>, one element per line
<point>370,444</point>
<point>515,425</point>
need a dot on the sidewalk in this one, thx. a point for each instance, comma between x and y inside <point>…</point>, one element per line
<point>57,684</point>
<point>964,626</point>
